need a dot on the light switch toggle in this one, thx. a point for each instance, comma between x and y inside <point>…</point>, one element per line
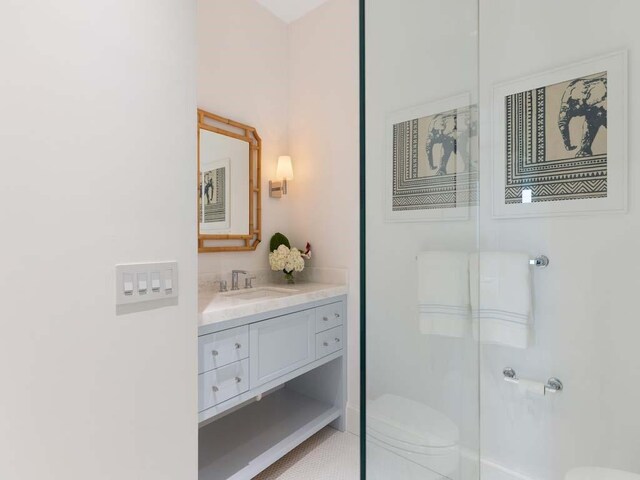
<point>127,284</point>
<point>168,282</point>
<point>155,281</point>
<point>142,283</point>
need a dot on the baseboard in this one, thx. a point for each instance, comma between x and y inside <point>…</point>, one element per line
<point>490,469</point>
<point>353,420</point>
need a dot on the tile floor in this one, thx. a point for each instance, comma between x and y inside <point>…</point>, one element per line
<point>328,455</point>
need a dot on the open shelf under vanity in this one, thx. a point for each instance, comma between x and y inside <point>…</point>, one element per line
<point>245,442</point>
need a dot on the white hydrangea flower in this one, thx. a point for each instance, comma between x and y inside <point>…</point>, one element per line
<point>278,258</point>
<point>295,262</point>
<point>288,260</point>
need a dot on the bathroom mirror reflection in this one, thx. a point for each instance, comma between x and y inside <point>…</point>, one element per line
<point>229,203</point>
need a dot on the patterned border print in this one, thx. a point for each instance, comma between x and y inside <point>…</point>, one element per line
<point>537,124</point>
<point>451,185</point>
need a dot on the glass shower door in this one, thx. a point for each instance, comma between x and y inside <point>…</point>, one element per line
<point>501,227</point>
<point>422,418</point>
<point>554,182</point>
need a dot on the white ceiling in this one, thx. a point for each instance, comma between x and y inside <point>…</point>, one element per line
<point>290,10</point>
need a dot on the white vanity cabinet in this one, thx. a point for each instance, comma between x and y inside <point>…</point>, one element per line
<point>267,382</point>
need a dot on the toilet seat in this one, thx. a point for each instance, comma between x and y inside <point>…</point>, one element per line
<point>597,473</point>
<point>416,433</point>
<point>407,422</point>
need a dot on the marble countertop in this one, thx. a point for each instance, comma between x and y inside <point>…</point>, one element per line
<point>214,307</point>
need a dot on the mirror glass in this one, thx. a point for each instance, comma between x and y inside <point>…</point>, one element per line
<point>228,186</point>
<point>224,184</point>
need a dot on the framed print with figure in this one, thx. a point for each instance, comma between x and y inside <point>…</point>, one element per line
<point>431,161</point>
<point>560,141</point>
<point>214,195</point>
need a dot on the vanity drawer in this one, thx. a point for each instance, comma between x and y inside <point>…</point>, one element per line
<point>222,348</point>
<point>328,342</point>
<point>223,383</point>
<point>329,316</point>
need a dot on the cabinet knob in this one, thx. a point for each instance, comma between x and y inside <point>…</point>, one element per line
<point>215,389</point>
<point>337,315</point>
<point>326,319</point>
<point>238,346</point>
<point>214,353</point>
<point>238,379</point>
<point>326,344</point>
<point>337,340</point>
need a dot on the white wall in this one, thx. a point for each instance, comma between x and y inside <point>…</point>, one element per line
<point>97,146</point>
<point>324,143</point>
<point>586,311</point>
<point>243,75</point>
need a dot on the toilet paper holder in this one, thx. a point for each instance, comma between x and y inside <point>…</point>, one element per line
<point>553,385</point>
<point>540,261</point>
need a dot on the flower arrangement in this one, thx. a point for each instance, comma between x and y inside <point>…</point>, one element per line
<point>286,259</point>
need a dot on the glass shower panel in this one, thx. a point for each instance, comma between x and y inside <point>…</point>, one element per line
<point>554,182</point>
<point>422,412</point>
<point>501,228</point>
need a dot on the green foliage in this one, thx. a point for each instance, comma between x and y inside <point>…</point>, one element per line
<point>277,240</point>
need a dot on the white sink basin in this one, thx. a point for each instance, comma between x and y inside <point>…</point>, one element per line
<point>259,293</point>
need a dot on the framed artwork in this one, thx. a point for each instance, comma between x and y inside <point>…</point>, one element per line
<point>560,141</point>
<point>214,195</point>
<point>431,162</point>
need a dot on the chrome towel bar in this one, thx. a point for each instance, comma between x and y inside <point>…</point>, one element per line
<point>539,261</point>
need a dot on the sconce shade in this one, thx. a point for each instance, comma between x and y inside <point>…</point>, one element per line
<point>284,171</point>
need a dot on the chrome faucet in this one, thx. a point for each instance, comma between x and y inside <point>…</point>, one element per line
<point>234,278</point>
<point>223,285</point>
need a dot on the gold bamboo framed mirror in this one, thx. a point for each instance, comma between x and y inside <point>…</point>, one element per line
<point>229,185</point>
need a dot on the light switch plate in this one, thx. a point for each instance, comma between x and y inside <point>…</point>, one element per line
<point>163,285</point>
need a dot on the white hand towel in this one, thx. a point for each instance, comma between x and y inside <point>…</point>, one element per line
<point>501,298</point>
<point>443,293</point>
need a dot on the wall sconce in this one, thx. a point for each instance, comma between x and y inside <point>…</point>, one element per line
<point>284,172</point>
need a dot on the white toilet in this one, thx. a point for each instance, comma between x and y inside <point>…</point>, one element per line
<point>410,440</point>
<point>596,473</point>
